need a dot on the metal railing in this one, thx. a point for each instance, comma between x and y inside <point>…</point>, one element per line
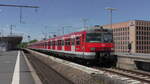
<point>144,55</point>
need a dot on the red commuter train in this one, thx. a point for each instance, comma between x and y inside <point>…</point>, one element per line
<point>93,45</point>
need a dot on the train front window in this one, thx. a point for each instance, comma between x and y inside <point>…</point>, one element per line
<point>107,37</point>
<point>99,37</point>
<point>93,37</point>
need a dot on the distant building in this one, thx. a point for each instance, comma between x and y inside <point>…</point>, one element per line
<point>136,32</point>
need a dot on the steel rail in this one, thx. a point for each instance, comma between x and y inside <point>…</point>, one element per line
<point>128,73</point>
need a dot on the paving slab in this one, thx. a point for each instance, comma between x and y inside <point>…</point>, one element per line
<point>7,65</point>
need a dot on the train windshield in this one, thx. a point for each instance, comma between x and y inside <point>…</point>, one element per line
<point>99,37</point>
<point>94,37</point>
<point>107,37</point>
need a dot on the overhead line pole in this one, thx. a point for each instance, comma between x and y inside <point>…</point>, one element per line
<point>11,29</point>
<point>85,23</point>
<point>20,14</point>
<point>19,6</point>
<point>110,10</point>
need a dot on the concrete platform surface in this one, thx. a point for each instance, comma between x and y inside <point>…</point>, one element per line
<point>14,69</point>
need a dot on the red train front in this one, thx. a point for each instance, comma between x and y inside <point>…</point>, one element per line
<point>94,45</point>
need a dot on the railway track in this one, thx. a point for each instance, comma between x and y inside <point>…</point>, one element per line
<point>143,77</point>
<point>136,75</point>
<point>46,73</point>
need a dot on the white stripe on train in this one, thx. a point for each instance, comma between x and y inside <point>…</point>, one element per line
<point>85,55</point>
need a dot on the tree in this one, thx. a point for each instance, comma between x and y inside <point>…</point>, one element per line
<point>32,41</point>
<point>24,44</point>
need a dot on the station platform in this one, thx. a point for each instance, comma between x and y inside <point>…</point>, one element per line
<point>60,69</point>
<point>134,61</point>
<point>144,56</point>
<point>14,68</point>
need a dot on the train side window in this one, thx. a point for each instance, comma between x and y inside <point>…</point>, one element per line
<point>62,42</point>
<point>46,44</point>
<point>53,43</point>
<point>49,43</point>
<point>83,37</point>
<point>65,41</point>
<point>69,41</point>
<point>73,41</point>
<point>59,42</point>
<point>77,40</point>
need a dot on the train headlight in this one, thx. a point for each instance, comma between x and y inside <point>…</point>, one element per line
<point>93,49</point>
<point>112,49</point>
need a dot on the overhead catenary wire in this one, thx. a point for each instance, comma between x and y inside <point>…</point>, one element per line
<point>19,6</point>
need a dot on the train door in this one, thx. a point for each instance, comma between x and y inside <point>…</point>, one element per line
<point>42,45</point>
<point>59,47</point>
<point>49,45</point>
<point>83,44</point>
<point>63,45</point>
<point>73,44</point>
<point>53,45</point>
<point>78,44</point>
<point>68,44</point>
<point>45,45</point>
<point>56,44</point>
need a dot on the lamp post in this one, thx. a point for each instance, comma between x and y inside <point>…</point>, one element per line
<point>110,10</point>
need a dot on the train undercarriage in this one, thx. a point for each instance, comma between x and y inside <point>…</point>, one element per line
<point>105,59</point>
<point>102,59</point>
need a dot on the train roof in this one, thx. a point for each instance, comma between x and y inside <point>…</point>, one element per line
<point>75,33</point>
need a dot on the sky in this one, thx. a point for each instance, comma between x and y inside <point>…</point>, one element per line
<point>55,14</point>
